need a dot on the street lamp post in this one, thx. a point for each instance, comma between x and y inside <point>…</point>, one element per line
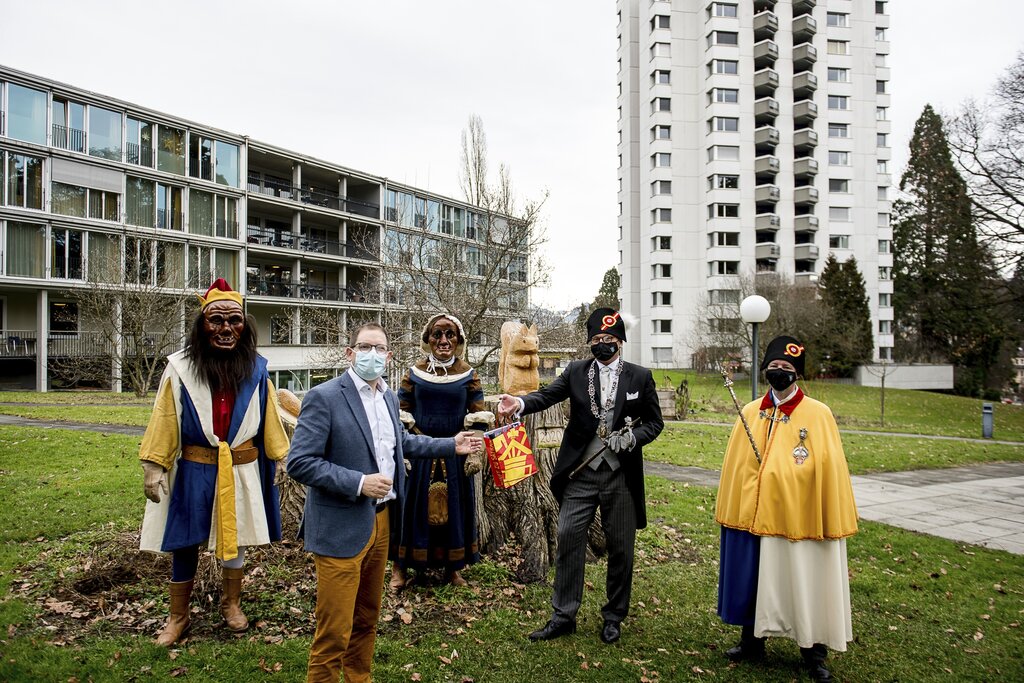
<point>754,310</point>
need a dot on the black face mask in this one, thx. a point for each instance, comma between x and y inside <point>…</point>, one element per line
<point>604,351</point>
<point>780,379</point>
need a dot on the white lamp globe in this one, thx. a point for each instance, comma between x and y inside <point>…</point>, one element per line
<point>755,309</point>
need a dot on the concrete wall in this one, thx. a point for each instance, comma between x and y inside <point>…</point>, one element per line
<point>906,376</point>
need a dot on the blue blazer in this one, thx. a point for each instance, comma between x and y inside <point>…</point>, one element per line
<point>331,450</point>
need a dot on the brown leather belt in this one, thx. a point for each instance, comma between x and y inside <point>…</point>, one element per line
<point>245,453</point>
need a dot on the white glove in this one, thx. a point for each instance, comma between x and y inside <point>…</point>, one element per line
<point>619,443</point>
<point>154,479</point>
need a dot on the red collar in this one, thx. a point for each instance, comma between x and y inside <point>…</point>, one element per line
<point>788,407</point>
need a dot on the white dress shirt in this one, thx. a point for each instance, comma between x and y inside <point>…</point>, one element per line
<point>381,426</point>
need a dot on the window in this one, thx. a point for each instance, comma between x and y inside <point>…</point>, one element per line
<point>723,124</point>
<point>26,114</point>
<point>838,241</point>
<point>661,215</point>
<point>838,158</point>
<point>879,6</point>
<point>884,272</point>
<point>723,211</point>
<point>104,133</point>
<point>661,270</point>
<point>880,87</point>
<point>838,75</point>
<point>722,9</point>
<point>227,164</point>
<point>280,329</point>
<point>883,193</point>
<point>882,139</point>
<point>24,186</point>
<point>68,131</point>
<point>723,66</point>
<point>662,326</point>
<point>226,216</point>
<point>661,132</point>
<point>883,220</point>
<point>170,156</point>
<point>661,187</point>
<point>881,60</point>
<point>884,327</point>
<point>660,77</point>
<point>724,267</point>
<point>837,19</point>
<point>723,38</point>
<point>24,252</point>
<point>838,102</point>
<point>727,95</point>
<point>880,34</point>
<point>722,181</point>
<point>723,239</point>
<point>139,142</point>
<point>63,318</point>
<point>881,113</point>
<point>659,21</point>
<point>839,130</point>
<point>885,353</point>
<point>723,153</point>
<point>661,104</point>
<point>720,297</point>
<point>884,247</point>
<point>838,185</point>
<point>661,298</point>
<point>66,254</point>
<point>882,166</point>
<point>724,325</point>
<point>661,160</point>
<point>839,47</point>
<point>661,50</point>
<point>843,214</point>
<point>884,300</point>
<point>661,243</point>
<point>472,225</point>
<point>661,354</point>
<point>68,200</point>
<point>169,208</point>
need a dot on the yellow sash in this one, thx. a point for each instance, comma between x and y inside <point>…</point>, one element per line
<point>227,523</point>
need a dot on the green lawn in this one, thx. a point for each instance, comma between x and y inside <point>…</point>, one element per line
<point>914,412</point>
<point>73,397</point>
<point>924,608</point>
<point>703,445</point>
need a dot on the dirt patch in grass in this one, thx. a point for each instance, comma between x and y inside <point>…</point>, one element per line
<point>113,588</point>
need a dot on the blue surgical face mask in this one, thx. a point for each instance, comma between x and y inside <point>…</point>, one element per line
<point>369,365</point>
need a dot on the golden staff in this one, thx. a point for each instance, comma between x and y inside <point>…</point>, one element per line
<point>739,411</point>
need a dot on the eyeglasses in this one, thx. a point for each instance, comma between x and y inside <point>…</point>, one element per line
<point>219,320</point>
<point>363,347</point>
<point>447,334</point>
<point>603,339</point>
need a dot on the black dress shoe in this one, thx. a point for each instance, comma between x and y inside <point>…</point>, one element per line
<point>551,630</point>
<point>749,650</point>
<point>611,631</point>
<point>819,673</point>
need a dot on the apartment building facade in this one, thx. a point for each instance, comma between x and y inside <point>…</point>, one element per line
<point>753,138</point>
<point>88,179</point>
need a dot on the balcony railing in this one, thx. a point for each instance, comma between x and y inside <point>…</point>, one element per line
<point>277,187</point>
<point>314,292</point>
<point>70,139</point>
<point>140,155</point>
<point>24,344</point>
<point>314,245</point>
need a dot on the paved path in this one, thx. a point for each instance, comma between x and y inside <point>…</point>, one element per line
<point>978,504</point>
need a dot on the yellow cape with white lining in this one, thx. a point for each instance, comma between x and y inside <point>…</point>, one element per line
<point>812,500</point>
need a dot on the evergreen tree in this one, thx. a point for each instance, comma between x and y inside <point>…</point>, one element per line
<point>844,333</point>
<point>944,280</point>
<point>608,295</point>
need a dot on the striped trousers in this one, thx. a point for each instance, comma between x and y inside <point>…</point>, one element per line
<point>583,496</point>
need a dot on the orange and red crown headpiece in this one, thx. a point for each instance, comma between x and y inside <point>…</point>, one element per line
<point>220,290</point>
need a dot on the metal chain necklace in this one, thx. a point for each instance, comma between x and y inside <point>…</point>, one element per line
<point>602,427</point>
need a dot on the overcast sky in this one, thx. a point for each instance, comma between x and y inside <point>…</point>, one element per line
<point>387,86</point>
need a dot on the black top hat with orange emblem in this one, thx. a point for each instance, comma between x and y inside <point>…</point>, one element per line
<point>606,321</point>
<point>787,349</point>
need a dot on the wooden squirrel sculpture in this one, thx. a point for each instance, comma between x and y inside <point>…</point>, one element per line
<point>518,366</point>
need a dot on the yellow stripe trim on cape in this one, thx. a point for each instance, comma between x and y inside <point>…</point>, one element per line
<point>809,501</point>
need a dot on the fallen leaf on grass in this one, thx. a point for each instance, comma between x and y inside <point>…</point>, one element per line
<point>179,671</point>
<point>978,635</point>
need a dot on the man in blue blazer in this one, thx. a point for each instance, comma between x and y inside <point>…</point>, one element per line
<point>348,449</point>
